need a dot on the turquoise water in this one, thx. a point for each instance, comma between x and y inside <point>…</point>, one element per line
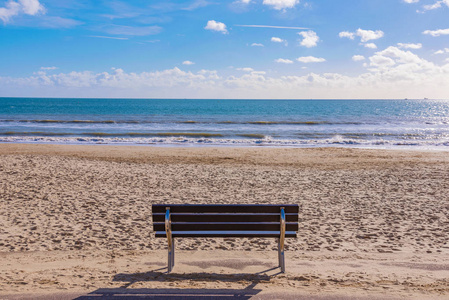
<point>355,123</point>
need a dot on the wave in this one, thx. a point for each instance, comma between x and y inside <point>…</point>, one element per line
<point>266,141</point>
<point>190,134</point>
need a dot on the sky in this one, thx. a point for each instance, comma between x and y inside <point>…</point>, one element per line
<point>256,49</point>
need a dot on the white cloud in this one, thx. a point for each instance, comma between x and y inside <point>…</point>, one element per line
<point>346,34</point>
<point>310,38</point>
<point>245,1</point>
<point>49,68</point>
<point>405,60</point>
<point>411,1</point>
<point>216,26</point>
<point>13,8</point>
<point>188,62</point>
<point>283,61</point>
<point>380,61</point>
<point>437,32</point>
<point>32,7</point>
<point>410,46</point>
<point>245,69</point>
<point>277,40</point>
<point>358,57</point>
<point>281,4</point>
<point>445,50</point>
<point>257,45</point>
<point>436,5</point>
<point>310,59</point>
<point>370,45</point>
<point>367,35</point>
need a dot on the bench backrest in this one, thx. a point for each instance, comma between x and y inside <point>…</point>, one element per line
<point>215,220</point>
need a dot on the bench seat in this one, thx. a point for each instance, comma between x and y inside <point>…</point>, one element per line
<point>225,234</point>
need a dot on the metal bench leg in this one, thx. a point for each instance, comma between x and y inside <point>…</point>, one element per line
<point>169,260</point>
<point>281,242</point>
<point>171,246</point>
<point>282,260</point>
<point>173,252</point>
<point>279,252</point>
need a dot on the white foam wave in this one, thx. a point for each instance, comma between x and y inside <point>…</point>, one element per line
<point>267,141</point>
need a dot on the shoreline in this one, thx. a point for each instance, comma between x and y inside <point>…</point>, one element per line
<point>237,143</point>
<point>373,223</point>
<point>242,146</point>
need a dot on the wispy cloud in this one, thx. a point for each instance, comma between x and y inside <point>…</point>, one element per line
<point>272,26</point>
<point>48,68</point>
<point>246,69</point>
<point>131,30</point>
<point>56,22</point>
<point>197,4</point>
<point>436,5</point>
<point>108,37</point>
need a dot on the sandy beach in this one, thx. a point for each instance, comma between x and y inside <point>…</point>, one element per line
<point>75,222</point>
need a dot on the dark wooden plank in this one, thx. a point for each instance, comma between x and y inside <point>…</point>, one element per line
<point>210,217</point>
<point>224,234</point>
<point>255,226</point>
<point>219,208</point>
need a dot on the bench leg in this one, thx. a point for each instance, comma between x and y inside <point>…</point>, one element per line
<point>171,256</point>
<point>281,257</point>
<point>173,253</point>
<point>169,259</point>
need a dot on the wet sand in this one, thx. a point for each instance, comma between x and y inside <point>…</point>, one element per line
<point>77,219</point>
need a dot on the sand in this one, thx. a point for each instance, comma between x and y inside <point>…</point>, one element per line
<point>76,221</point>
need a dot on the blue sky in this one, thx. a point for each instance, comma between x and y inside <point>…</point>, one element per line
<point>225,49</point>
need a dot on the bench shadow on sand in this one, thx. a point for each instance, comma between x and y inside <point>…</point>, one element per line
<point>160,275</point>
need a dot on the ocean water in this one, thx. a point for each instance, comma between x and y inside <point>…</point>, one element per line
<point>293,123</point>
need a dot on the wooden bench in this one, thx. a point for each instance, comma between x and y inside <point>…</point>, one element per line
<point>223,221</point>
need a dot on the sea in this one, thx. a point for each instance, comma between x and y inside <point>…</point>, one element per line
<point>410,124</point>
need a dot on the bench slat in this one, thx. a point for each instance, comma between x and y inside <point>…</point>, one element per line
<point>223,234</point>
<point>232,218</point>
<point>238,226</point>
<point>219,208</point>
